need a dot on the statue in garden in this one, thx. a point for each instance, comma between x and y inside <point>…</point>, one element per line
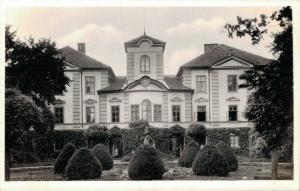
<point>147,139</point>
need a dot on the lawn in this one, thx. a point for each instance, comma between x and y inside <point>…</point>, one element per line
<point>246,171</point>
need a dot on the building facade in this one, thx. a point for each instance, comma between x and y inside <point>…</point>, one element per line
<point>205,89</point>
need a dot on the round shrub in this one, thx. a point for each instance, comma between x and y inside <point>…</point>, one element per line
<point>229,155</point>
<point>103,156</point>
<point>198,133</point>
<point>83,165</point>
<point>63,158</point>
<point>177,131</point>
<point>209,162</point>
<point>146,164</point>
<point>189,153</point>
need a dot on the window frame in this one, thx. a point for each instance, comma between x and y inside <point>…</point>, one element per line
<point>86,84</point>
<point>145,66</point>
<point>115,113</point>
<point>137,112</point>
<point>147,110</point>
<point>88,112</point>
<point>233,76</point>
<point>176,113</point>
<point>198,108</point>
<point>232,110</point>
<point>201,83</point>
<point>61,117</point>
<point>157,114</point>
<point>234,141</point>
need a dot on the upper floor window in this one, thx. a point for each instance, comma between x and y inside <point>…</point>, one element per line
<point>157,113</point>
<point>135,113</point>
<point>200,84</point>
<point>90,114</point>
<point>145,64</point>
<point>59,114</point>
<point>146,110</point>
<point>90,84</point>
<point>115,114</point>
<point>201,113</point>
<point>232,113</point>
<point>176,113</point>
<point>232,83</point>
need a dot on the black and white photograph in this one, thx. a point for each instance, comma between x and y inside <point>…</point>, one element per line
<point>149,93</point>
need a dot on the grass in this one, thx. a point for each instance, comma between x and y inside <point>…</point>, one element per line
<point>246,171</point>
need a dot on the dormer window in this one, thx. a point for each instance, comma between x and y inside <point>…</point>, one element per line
<point>145,64</point>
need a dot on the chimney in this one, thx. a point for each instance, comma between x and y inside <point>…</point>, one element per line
<point>81,47</point>
<point>208,47</point>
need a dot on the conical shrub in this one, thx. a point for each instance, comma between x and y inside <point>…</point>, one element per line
<point>209,162</point>
<point>63,158</point>
<point>83,165</point>
<point>102,154</point>
<point>146,164</point>
<point>229,155</point>
<point>188,155</point>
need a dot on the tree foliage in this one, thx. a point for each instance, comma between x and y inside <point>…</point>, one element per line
<point>270,104</point>
<point>198,133</point>
<point>34,67</point>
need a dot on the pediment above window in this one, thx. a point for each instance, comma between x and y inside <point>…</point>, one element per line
<point>232,99</point>
<point>201,99</point>
<point>59,101</point>
<point>176,99</point>
<point>145,84</point>
<point>232,62</point>
<point>115,99</point>
<point>90,101</point>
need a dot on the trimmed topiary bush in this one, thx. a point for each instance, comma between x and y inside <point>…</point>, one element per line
<point>229,155</point>
<point>188,155</point>
<point>209,162</point>
<point>96,134</point>
<point>146,164</point>
<point>198,133</point>
<point>83,165</point>
<point>63,158</point>
<point>102,154</point>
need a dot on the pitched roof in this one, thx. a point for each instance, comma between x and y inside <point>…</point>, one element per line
<point>134,42</point>
<point>175,83</point>
<point>220,53</point>
<point>81,60</point>
<point>116,84</point>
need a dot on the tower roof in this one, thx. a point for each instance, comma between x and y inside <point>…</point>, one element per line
<point>136,41</point>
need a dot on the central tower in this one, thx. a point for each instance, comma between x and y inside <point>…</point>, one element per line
<point>145,58</point>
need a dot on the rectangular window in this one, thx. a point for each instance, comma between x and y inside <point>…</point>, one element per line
<point>90,114</point>
<point>200,84</point>
<point>59,114</point>
<point>234,141</point>
<point>232,83</point>
<point>135,113</point>
<point>157,113</point>
<point>115,114</point>
<point>90,84</point>
<point>176,113</point>
<point>232,113</point>
<point>201,113</point>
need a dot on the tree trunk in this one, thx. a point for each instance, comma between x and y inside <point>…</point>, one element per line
<point>274,156</point>
<point>7,164</point>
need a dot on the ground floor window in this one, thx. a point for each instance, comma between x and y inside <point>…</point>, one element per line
<point>234,141</point>
<point>176,113</point>
<point>115,114</point>
<point>59,114</point>
<point>201,113</point>
<point>135,113</point>
<point>90,114</point>
<point>232,113</point>
<point>157,113</point>
<point>146,110</point>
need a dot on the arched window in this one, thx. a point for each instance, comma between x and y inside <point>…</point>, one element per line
<point>146,110</point>
<point>145,64</point>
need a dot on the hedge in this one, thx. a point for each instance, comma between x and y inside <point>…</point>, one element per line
<point>102,154</point>
<point>188,155</point>
<point>63,158</point>
<point>229,155</point>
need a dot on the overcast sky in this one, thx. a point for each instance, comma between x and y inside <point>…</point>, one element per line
<point>104,30</point>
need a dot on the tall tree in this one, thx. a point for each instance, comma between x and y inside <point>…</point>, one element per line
<point>34,67</point>
<point>270,105</point>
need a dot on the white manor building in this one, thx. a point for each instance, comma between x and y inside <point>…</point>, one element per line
<point>204,90</point>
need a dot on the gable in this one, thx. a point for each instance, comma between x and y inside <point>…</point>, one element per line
<point>150,86</point>
<point>232,62</point>
<point>146,84</point>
